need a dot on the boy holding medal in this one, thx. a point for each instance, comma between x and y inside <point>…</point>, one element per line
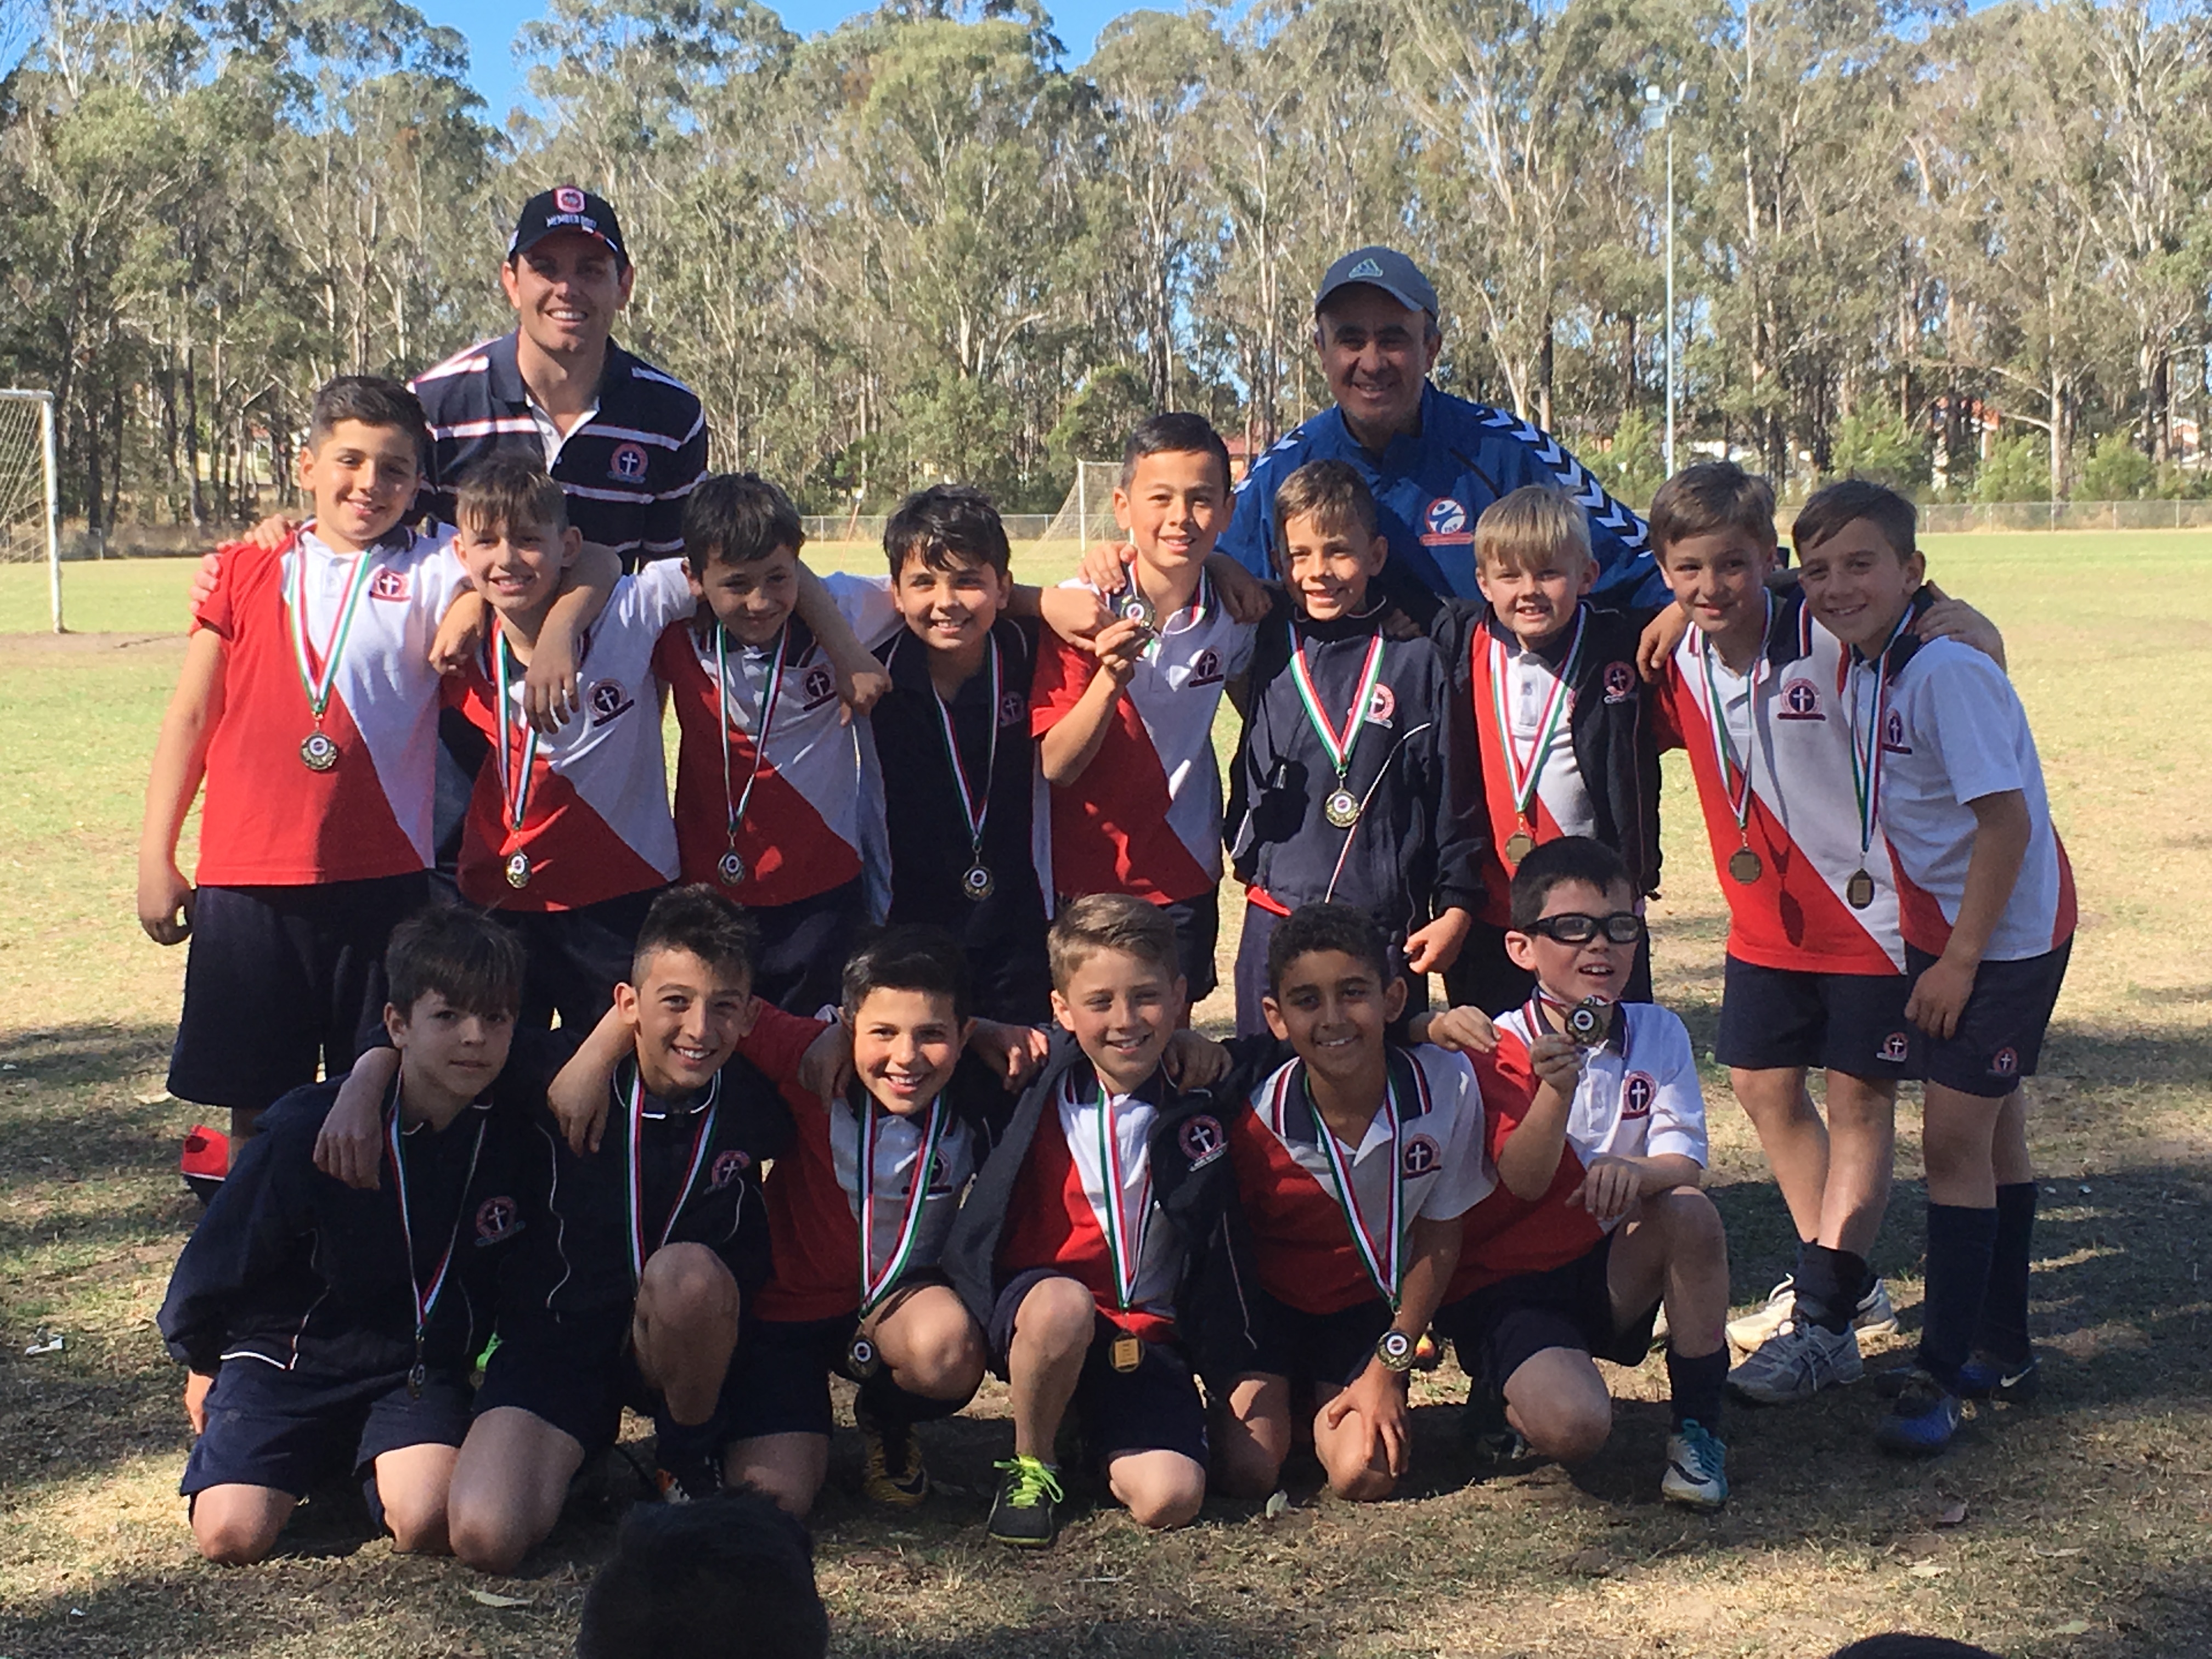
<point>1092,1249</point>
<point>329,1330</point>
<point>1985,902</point>
<point>1353,780</point>
<point>308,706</point>
<point>1597,1126</point>
<point>1355,1164</point>
<point>768,779</point>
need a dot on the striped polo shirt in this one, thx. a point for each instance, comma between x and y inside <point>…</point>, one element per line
<point>627,468</point>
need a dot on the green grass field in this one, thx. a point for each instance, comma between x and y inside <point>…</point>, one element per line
<point>2075,1529</point>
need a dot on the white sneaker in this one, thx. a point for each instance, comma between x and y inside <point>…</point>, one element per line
<point>1797,1363</point>
<point>1874,1316</point>
<point>1697,1469</point>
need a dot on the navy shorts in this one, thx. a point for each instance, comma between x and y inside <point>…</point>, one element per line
<point>779,1380</point>
<point>1328,1349</point>
<point>1484,976</point>
<point>1999,1035</point>
<point>267,1427</point>
<point>1155,1408</point>
<point>1780,1018</point>
<point>1501,1326</point>
<point>577,1371</point>
<point>1260,925</point>
<point>575,958</point>
<point>804,946</point>
<point>281,983</point>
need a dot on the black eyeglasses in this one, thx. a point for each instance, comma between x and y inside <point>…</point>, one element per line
<point>1570,928</point>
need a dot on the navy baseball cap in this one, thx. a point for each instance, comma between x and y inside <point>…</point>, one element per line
<point>1380,267</point>
<point>567,208</point>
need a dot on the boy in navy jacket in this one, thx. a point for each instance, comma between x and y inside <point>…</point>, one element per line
<point>329,1329</point>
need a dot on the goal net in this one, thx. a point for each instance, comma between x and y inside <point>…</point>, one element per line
<point>28,529</point>
<point>1087,514</point>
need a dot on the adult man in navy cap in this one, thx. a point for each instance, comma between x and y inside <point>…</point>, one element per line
<point>1432,460</point>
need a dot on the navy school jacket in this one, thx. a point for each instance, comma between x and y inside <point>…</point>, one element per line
<point>1412,853</point>
<point>1194,1185</point>
<point>292,1268</point>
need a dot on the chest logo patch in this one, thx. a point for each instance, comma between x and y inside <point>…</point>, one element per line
<point>1382,706</point>
<point>1013,709</point>
<point>1204,669</point>
<point>1202,1141</point>
<point>1444,524</point>
<point>817,687</point>
<point>1892,734</point>
<point>1800,700</point>
<point>1421,1156</point>
<point>497,1218</point>
<point>1619,682</point>
<point>389,586</point>
<point>726,1167</point>
<point>628,463</point>
<point>1637,1092</point>
<point>608,700</point>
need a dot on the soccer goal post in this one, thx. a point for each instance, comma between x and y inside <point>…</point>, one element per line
<point>30,487</point>
<point>1087,514</point>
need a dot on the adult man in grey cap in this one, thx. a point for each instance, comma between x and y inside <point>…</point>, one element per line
<point>1432,460</point>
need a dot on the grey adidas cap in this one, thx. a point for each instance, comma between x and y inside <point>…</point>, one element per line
<point>1380,267</point>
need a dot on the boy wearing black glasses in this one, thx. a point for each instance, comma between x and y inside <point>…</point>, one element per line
<point>1598,1129</point>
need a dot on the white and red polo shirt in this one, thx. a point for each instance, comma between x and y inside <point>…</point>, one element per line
<point>799,832</point>
<point>1421,1156</point>
<point>1954,732</point>
<point>1789,717</point>
<point>1145,815</point>
<point>267,818</point>
<point>1530,684</point>
<point>595,821</point>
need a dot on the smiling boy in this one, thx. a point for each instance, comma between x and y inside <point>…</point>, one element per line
<point>1985,902</point>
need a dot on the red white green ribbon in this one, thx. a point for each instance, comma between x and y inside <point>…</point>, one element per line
<point>1521,776</point>
<point>974,803</point>
<point>1383,1255</point>
<point>1866,750</point>
<point>513,777</point>
<point>1338,748</point>
<point>318,671</point>
<point>425,1298</point>
<point>771,694</point>
<point>1736,783</point>
<point>703,1137</point>
<point>1125,1247</point>
<point>876,1286</point>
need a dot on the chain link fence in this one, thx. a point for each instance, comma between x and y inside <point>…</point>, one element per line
<point>1953,516</point>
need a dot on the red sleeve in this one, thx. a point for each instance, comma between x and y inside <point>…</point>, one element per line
<point>1063,671</point>
<point>778,1042</point>
<point>1509,1089</point>
<point>1666,730</point>
<point>217,613</point>
<point>665,662</point>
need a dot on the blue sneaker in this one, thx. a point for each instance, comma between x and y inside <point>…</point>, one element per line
<point>1981,1378</point>
<point>1697,1469</point>
<point>1923,1421</point>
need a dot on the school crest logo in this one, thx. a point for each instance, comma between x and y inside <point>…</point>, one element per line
<point>1013,709</point>
<point>1421,1155</point>
<point>1444,524</point>
<point>389,585</point>
<point>1800,700</point>
<point>1619,682</point>
<point>1637,1092</point>
<point>608,700</point>
<point>1382,706</point>
<point>1202,1141</point>
<point>818,686</point>
<point>568,199</point>
<point>1204,669</point>
<point>497,1218</point>
<point>1895,1049</point>
<point>2005,1063</point>
<point>728,1167</point>
<point>628,463</point>
<point>1892,734</point>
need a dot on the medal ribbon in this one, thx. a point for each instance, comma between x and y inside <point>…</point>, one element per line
<point>1384,1265</point>
<point>513,778</point>
<point>875,1287</point>
<point>1866,752</point>
<point>426,1300</point>
<point>701,1138</point>
<point>1739,793</point>
<point>765,703</point>
<point>1338,750</point>
<point>975,807</point>
<point>1519,778</point>
<point>1127,1261</point>
<point>316,682</point>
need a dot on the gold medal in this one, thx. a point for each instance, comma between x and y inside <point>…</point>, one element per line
<point>517,870</point>
<point>977,883</point>
<point>1858,891</point>
<point>318,752</point>
<point>862,1359</point>
<point>1744,865</point>
<point>1586,1021</point>
<point>1128,1353</point>
<point>730,868</point>
<point>1341,809</point>
<point>1518,846</point>
<point>1133,606</point>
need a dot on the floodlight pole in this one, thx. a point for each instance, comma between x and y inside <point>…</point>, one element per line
<point>1665,106</point>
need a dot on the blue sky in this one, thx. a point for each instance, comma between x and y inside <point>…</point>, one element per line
<point>490,25</point>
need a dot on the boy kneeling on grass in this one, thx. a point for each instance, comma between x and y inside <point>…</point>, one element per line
<point>1598,1129</point>
<point>331,1330</point>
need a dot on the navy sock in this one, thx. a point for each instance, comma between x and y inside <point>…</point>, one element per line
<point>1960,1241</point>
<point>887,1403</point>
<point>1698,1386</point>
<point>2003,1333</point>
<point>1829,1286</point>
<point>686,1439</point>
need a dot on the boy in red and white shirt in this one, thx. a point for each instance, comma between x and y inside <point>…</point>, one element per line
<point>1125,730</point>
<point>308,705</point>
<point>1985,899</point>
<point>771,774</point>
<point>1598,1130</point>
<point>567,836</point>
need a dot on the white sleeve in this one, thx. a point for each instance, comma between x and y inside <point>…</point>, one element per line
<point>660,593</point>
<point>439,576</point>
<point>1969,710</point>
<point>865,602</point>
<point>1678,1112</point>
<point>1467,1178</point>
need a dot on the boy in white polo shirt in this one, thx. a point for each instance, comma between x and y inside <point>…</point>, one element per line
<point>1985,902</point>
